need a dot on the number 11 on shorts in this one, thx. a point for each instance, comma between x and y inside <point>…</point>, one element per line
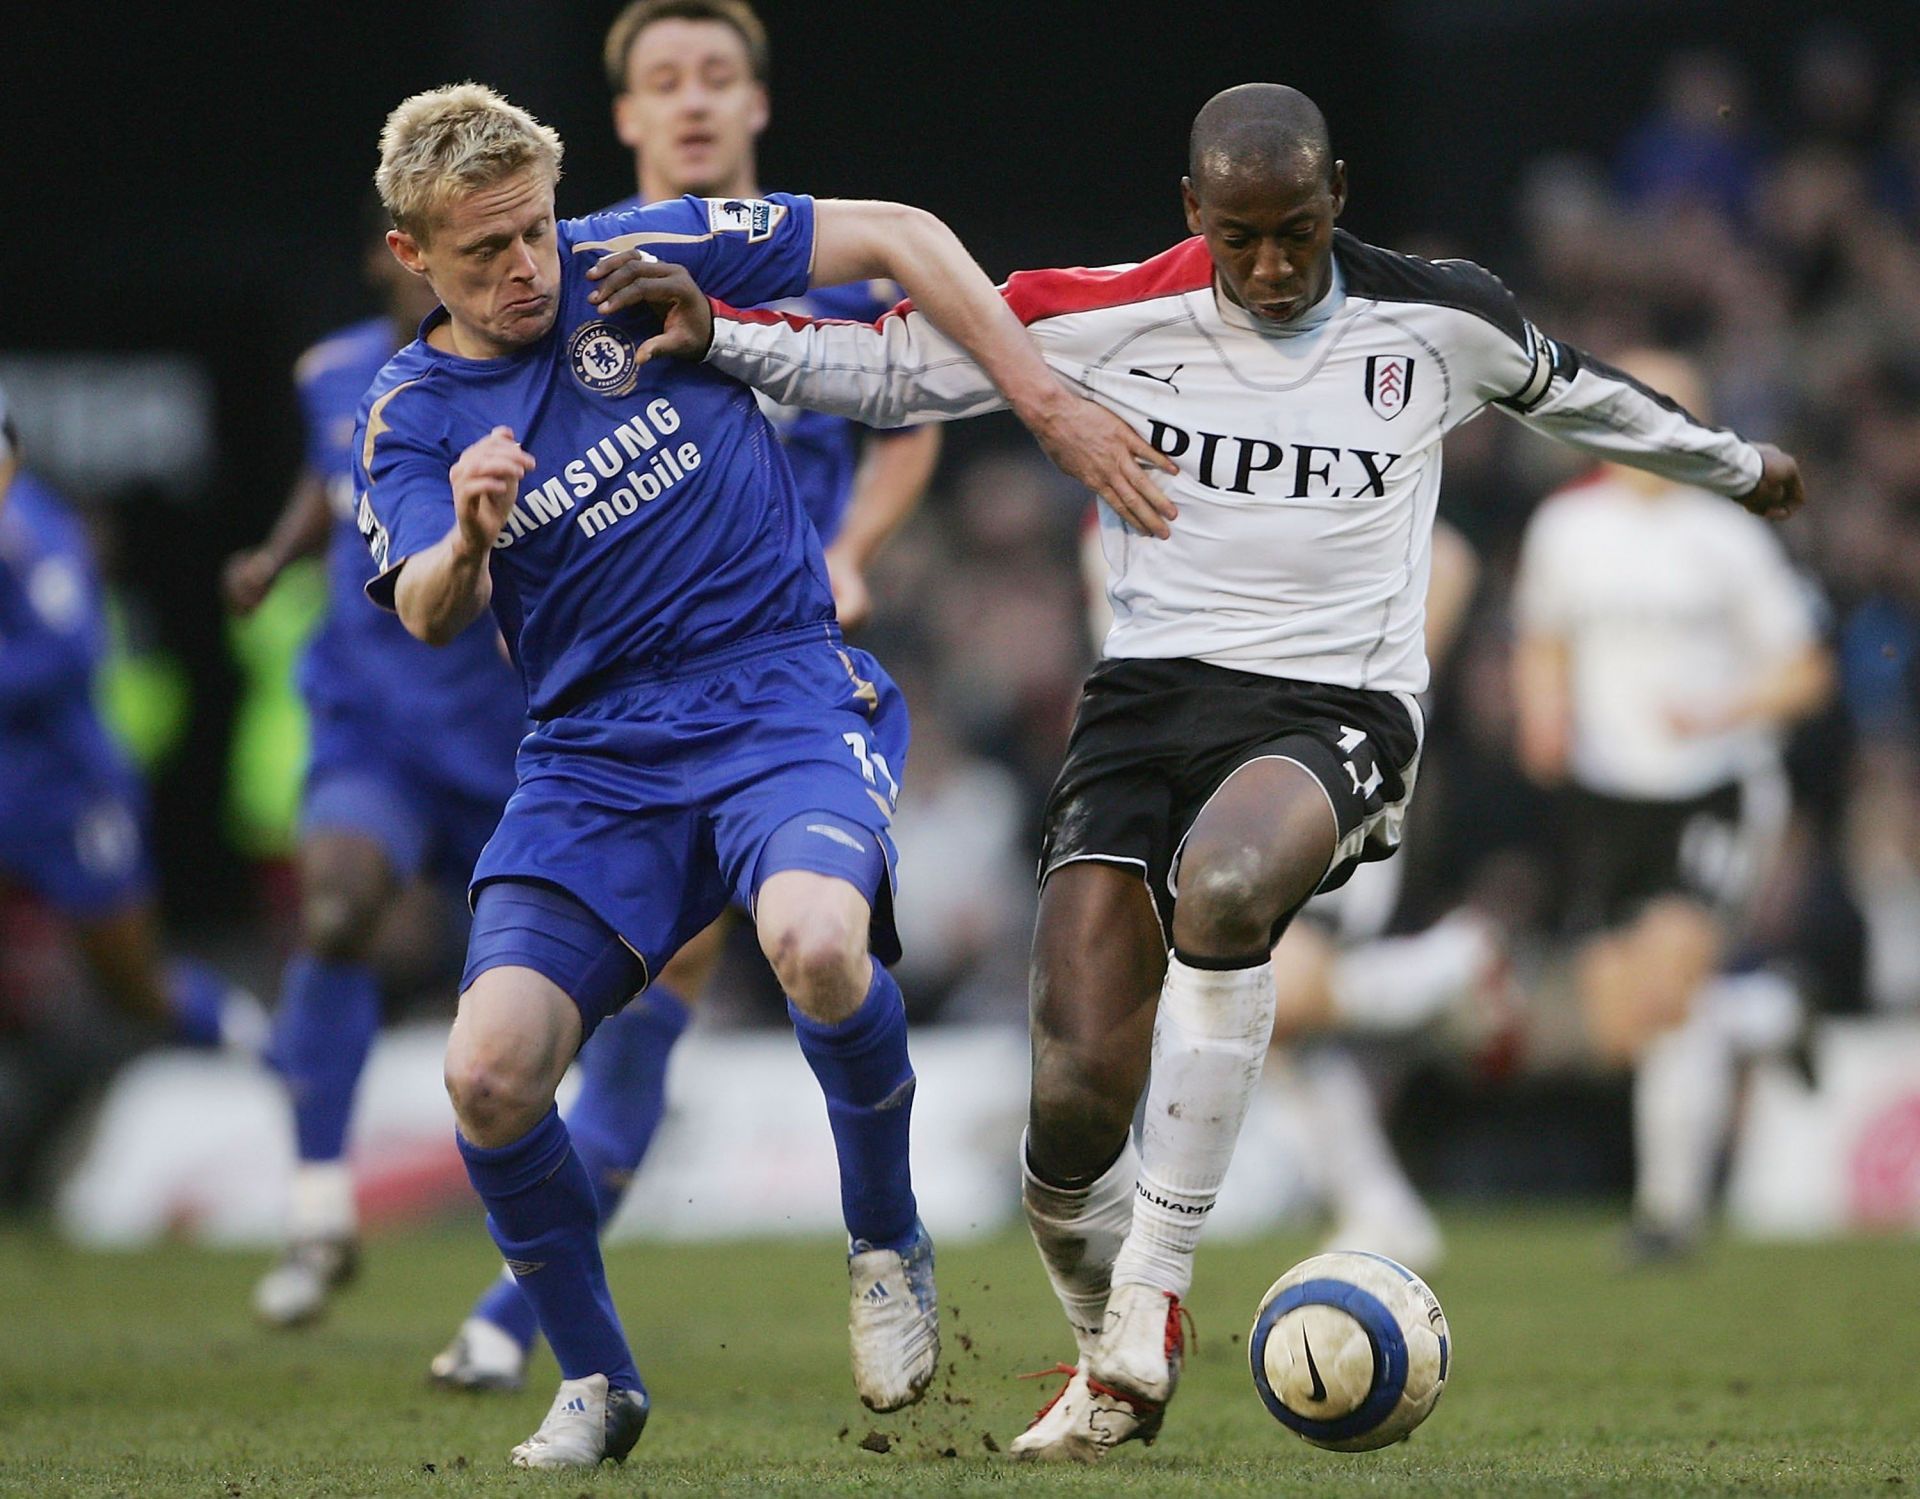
<point>871,760</point>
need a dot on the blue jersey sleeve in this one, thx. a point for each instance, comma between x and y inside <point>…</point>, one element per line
<point>742,250</point>
<point>330,378</point>
<point>404,503</point>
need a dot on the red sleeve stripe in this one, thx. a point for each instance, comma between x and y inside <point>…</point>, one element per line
<point>766,315</point>
<point>1034,295</point>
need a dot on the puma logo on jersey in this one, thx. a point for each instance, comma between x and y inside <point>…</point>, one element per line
<point>1231,464</point>
<point>1166,379</point>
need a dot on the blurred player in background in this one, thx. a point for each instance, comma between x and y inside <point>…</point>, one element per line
<point>702,736</point>
<point>411,762</point>
<point>1252,734</point>
<point>1666,647</point>
<point>72,805</point>
<point>689,79</point>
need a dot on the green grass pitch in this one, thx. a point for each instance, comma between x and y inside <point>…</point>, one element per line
<point>1768,1369</point>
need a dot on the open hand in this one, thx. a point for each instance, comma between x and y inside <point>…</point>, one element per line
<point>1089,443</point>
<point>633,278</point>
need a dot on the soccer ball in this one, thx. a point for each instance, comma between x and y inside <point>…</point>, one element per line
<point>1350,1350</point>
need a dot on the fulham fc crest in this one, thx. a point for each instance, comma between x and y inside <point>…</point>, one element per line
<point>1389,383</point>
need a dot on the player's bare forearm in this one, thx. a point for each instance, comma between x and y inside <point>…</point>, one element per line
<point>443,589</point>
<point>1542,706</point>
<point>893,474</point>
<point>895,468</point>
<point>864,241</point>
<point>301,530</point>
<point>855,240</point>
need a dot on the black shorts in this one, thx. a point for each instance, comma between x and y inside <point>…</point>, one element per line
<point>1714,848</point>
<point>1154,739</point>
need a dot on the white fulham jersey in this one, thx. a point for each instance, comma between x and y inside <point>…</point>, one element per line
<point>1667,604</point>
<point>1309,455</point>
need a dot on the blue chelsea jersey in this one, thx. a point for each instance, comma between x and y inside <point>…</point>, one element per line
<point>464,709</point>
<point>53,637</point>
<point>823,451</point>
<point>660,521</point>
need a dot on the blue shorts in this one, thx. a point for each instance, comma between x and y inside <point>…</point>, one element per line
<point>358,783</point>
<point>652,804</point>
<point>82,849</point>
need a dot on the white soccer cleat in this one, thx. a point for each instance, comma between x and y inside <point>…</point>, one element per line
<point>1084,1422</point>
<point>297,1289</point>
<point>587,1424</point>
<point>482,1356</point>
<point>1143,1345</point>
<point>893,1322</point>
<point>1120,1392</point>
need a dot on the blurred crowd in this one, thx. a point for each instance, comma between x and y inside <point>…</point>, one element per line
<point>1775,240</point>
<point>1776,245</point>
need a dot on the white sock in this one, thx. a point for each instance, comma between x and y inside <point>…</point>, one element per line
<point>1398,983</point>
<point>321,1206</point>
<point>1759,1013</point>
<point>1078,1231</point>
<point>1682,1105</point>
<point>1209,1043</point>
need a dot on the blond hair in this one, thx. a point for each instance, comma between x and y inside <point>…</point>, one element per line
<point>446,141</point>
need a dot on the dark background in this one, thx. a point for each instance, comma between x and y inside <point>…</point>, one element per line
<point>194,187</point>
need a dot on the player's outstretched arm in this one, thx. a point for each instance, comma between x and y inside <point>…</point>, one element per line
<point>958,352</point>
<point>442,590</point>
<point>855,240</point>
<point>1569,395</point>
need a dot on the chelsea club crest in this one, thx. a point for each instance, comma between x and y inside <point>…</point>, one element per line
<point>603,358</point>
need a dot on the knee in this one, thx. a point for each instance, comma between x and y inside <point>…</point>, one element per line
<point>497,1094</point>
<point>336,925</point>
<point>819,955</point>
<point>1229,901</point>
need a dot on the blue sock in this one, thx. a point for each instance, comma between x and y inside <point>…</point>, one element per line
<point>623,1093</point>
<point>329,1014</point>
<point>541,1213</point>
<point>862,1067</point>
<point>196,995</point>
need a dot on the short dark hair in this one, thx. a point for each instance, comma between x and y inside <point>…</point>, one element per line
<point>1264,123</point>
<point>641,14</point>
